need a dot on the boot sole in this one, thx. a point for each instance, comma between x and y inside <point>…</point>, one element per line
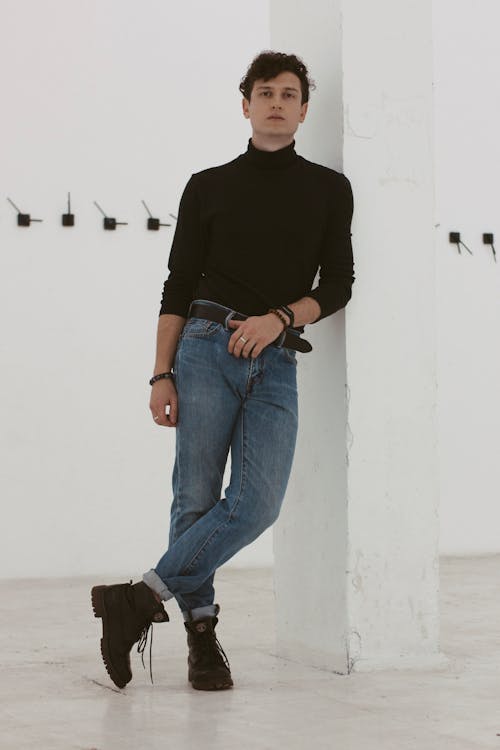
<point>211,687</point>
<point>100,611</point>
<point>220,685</point>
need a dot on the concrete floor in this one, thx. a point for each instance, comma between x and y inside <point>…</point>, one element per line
<point>55,693</point>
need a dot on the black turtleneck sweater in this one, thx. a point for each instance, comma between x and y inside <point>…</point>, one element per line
<point>252,233</point>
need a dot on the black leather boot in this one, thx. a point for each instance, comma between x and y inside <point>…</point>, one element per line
<point>127,612</point>
<point>207,663</point>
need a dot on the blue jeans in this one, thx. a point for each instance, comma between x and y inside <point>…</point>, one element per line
<point>248,406</point>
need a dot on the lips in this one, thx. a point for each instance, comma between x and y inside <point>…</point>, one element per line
<point>275,117</point>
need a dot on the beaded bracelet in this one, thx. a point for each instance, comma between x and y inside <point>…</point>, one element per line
<point>288,311</point>
<point>280,316</point>
<point>159,377</point>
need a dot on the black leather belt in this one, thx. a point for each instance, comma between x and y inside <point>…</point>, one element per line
<point>220,314</point>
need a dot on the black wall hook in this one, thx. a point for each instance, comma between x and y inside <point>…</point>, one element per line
<point>23,220</point>
<point>68,219</point>
<point>455,239</point>
<point>109,222</point>
<point>488,240</point>
<point>153,224</point>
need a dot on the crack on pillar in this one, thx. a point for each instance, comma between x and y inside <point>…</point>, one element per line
<point>353,649</point>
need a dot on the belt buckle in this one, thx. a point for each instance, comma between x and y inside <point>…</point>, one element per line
<point>233,314</point>
<point>229,317</point>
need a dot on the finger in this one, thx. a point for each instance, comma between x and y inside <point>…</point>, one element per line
<point>235,343</point>
<point>247,350</point>
<point>158,412</point>
<point>234,324</point>
<point>240,346</point>
<point>172,412</point>
<point>159,417</point>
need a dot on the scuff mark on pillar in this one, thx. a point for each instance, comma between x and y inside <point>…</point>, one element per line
<point>353,649</point>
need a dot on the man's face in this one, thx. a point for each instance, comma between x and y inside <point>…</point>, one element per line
<point>274,107</point>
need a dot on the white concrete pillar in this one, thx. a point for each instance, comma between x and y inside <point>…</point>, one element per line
<point>356,546</point>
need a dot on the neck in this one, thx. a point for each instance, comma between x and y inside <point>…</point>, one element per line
<point>278,158</point>
<point>271,143</point>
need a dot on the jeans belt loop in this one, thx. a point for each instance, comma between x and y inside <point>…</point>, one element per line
<point>280,339</point>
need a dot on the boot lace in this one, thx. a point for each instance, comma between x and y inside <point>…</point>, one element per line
<point>143,640</point>
<point>210,647</point>
<point>221,652</point>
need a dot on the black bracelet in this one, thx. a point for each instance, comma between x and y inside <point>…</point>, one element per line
<point>159,377</point>
<point>288,312</point>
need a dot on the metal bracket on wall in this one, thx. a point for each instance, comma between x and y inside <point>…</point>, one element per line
<point>455,239</point>
<point>153,224</point>
<point>68,219</point>
<point>488,240</point>
<point>23,220</point>
<point>109,222</point>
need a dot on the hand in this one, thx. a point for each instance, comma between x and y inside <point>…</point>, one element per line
<point>163,394</point>
<point>258,330</point>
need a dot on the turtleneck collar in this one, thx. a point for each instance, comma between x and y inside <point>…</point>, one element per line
<point>283,157</point>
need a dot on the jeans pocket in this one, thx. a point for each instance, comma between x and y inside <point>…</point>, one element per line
<point>199,328</point>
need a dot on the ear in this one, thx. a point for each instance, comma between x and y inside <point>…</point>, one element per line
<point>245,105</point>
<point>303,112</point>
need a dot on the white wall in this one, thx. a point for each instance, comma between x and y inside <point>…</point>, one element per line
<point>115,101</point>
<point>467,155</point>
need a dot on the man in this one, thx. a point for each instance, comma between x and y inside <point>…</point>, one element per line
<point>250,237</point>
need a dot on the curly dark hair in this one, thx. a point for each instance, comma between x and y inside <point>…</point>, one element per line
<point>269,64</point>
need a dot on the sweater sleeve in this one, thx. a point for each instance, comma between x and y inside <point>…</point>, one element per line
<point>336,275</point>
<point>187,254</point>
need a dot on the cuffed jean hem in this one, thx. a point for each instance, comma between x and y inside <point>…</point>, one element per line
<point>153,580</point>
<point>209,610</point>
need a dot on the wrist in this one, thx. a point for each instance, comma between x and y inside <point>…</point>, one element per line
<point>278,313</point>
<point>161,376</point>
<point>288,312</point>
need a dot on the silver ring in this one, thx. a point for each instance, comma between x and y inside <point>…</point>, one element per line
<point>156,417</point>
<point>242,338</point>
